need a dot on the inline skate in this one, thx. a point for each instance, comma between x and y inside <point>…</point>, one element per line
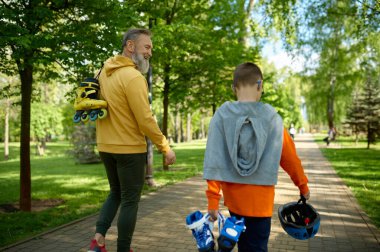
<point>87,104</point>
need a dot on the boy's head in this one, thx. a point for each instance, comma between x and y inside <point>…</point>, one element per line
<point>247,74</point>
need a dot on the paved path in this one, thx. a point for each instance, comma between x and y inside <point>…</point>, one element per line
<point>161,225</point>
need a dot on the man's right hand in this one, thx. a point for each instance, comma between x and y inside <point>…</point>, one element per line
<point>170,158</point>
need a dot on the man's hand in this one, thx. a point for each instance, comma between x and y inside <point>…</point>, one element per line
<point>213,215</point>
<point>170,158</point>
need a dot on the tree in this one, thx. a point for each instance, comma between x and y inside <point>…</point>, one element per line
<point>8,95</point>
<point>40,36</point>
<point>364,113</point>
<point>335,32</point>
<point>45,122</point>
<point>356,116</point>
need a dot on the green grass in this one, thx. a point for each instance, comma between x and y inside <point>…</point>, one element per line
<point>82,187</point>
<point>360,170</point>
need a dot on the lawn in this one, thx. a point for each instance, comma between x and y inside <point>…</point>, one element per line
<point>83,188</point>
<point>359,168</point>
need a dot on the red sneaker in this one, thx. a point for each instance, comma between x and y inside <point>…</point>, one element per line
<point>94,247</point>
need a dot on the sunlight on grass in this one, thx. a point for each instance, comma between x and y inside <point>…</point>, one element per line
<point>359,168</point>
<point>82,187</point>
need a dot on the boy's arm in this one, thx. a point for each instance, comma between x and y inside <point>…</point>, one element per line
<point>292,164</point>
<point>213,197</point>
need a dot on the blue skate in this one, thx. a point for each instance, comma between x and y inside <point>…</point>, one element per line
<point>201,228</point>
<point>230,233</point>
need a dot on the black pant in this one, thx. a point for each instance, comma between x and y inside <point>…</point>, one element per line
<point>125,174</point>
<point>256,236</point>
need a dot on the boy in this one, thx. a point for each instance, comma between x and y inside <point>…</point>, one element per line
<point>246,144</point>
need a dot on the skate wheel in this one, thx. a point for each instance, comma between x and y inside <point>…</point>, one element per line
<point>102,113</point>
<point>93,115</point>
<point>85,117</point>
<point>76,118</point>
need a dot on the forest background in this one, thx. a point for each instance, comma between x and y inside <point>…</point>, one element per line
<point>48,46</point>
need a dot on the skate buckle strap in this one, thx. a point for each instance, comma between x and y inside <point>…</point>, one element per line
<point>89,84</point>
<point>221,221</point>
<point>198,223</point>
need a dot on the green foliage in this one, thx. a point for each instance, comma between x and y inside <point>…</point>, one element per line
<point>364,113</point>
<point>337,35</point>
<point>45,121</point>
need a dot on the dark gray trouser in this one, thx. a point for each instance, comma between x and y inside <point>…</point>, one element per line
<point>256,236</point>
<point>125,174</point>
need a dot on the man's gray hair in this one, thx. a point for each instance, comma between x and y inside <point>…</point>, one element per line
<point>133,34</point>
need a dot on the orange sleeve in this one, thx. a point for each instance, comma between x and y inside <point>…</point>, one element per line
<point>213,194</point>
<point>292,164</point>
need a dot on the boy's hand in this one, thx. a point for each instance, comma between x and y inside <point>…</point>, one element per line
<point>213,215</point>
<point>170,158</point>
<point>306,195</point>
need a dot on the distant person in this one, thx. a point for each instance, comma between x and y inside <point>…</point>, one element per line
<point>330,136</point>
<point>292,131</point>
<point>246,144</point>
<point>121,136</point>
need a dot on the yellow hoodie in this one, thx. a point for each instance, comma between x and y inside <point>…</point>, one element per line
<point>129,116</point>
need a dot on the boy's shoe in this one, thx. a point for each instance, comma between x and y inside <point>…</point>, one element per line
<point>201,228</point>
<point>230,233</point>
<point>94,247</point>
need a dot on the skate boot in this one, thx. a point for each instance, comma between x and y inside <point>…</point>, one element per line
<point>230,233</point>
<point>201,228</point>
<point>87,103</point>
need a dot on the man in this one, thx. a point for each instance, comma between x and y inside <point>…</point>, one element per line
<point>121,136</point>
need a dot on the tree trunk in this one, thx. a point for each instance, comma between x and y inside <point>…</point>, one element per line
<point>182,134</point>
<point>6,129</point>
<point>188,128</point>
<point>246,22</point>
<point>166,108</point>
<point>203,131</point>
<point>330,103</point>
<point>26,75</point>
<point>149,163</point>
<point>177,127</point>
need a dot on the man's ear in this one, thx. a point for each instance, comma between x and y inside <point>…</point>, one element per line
<point>130,46</point>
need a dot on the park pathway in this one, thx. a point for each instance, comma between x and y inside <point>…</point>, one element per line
<point>161,219</point>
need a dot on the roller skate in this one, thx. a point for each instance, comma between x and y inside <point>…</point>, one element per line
<point>230,233</point>
<point>87,104</point>
<point>201,229</point>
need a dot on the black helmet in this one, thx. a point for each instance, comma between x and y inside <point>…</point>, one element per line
<point>299,219</point>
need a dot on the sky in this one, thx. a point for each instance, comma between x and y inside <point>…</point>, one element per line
<point>275,54</point>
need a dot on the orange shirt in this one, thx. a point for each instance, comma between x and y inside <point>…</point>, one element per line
<point>257,200</point>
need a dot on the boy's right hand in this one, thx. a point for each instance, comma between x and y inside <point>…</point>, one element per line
<point>213,215</point>
<point>306,195</point>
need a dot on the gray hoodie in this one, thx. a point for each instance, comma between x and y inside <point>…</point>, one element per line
<point>244,144</point>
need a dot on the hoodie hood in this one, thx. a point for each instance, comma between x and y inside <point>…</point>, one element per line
<point>117,62</point>
<point>244,144</point>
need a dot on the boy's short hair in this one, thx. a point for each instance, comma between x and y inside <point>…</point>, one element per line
<point>247,74</point>
<point>133,34</point>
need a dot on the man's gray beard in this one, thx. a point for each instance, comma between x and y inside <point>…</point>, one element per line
<point>141,62</point>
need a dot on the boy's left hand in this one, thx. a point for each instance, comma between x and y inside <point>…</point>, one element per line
<point>213,215</point>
